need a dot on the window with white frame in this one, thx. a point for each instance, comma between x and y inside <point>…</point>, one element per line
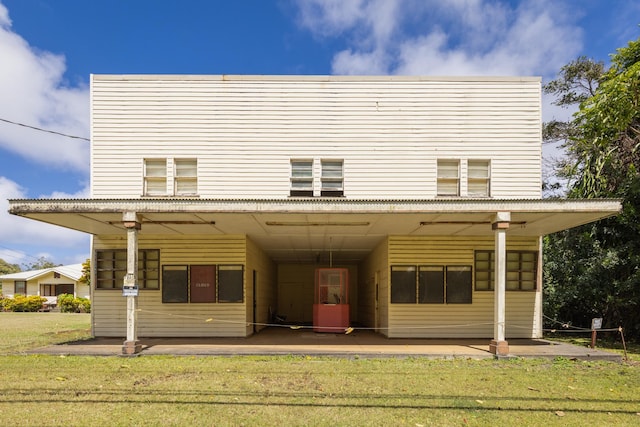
<point>478,178</point>
<point>302,178</point>
<point>448,178</point>
<point>185,177</point>
<point>332,178</point>
<point>155,177</point>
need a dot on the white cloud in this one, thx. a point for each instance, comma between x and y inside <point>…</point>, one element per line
<point>35,93</point>
<point>16,230</point>
<point>461,37</point>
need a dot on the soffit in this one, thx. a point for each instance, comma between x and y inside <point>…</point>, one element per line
<point>307,230</point>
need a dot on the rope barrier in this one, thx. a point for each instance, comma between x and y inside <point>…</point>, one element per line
<point>566,327</point>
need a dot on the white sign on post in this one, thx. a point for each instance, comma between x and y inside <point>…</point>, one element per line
<point>129,287</point>
<point>596,323</point>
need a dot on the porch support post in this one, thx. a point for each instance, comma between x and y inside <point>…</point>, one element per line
<point>130,286</point>
<point>499,346</point>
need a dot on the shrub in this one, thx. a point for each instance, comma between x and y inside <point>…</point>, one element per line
<point>70,304</point>
<point>22,303</point>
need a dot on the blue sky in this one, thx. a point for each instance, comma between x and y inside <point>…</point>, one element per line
<point>49,48</point>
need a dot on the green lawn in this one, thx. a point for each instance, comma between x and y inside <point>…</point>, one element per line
<point>297,390</point>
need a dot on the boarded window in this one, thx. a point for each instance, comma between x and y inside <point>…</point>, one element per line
<point>155,177</point>
<point>403,284</point>
<point>230,283</point>
<point>202,283</point>
<point>175,283</point>
<point>448,178</point>
<point>185,177</point>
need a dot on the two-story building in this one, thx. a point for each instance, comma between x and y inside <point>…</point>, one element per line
<point>214,199</point>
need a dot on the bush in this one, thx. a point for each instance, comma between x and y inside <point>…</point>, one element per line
<point>70,304</point>
<point>21,303</point>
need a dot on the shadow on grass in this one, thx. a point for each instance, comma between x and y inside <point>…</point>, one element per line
<point>321,400</point>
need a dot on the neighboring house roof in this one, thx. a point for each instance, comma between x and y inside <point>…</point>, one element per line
<point>73,272</point>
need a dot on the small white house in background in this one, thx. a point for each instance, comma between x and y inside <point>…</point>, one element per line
<point>47,283</point>
<point>215,198</point>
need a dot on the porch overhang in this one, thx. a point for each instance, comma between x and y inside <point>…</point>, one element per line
<point>300,230</point>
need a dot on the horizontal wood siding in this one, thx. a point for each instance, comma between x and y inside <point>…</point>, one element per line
<point>156,319</point>
<point>473,320</point>
<point>376,263</point>
<point>244,131</point>
<point>266,287</point>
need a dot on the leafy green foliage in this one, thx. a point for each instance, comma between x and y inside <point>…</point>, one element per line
<point>6,268</point>
<point>86,272</point>
<point>40,264</point>
<point>594,270</point>
<point>23,303</point>
<point>70,304</point>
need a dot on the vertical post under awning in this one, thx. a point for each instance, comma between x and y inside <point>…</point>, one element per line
<point>130,286</point>
<point>499,345</point>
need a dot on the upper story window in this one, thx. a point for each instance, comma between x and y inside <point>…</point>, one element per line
<point>302,178</point>
<point>155,177</point>
<point>448,178</point>
<point>332,178</point>
<point>478,178</point>
<point>185,177</point>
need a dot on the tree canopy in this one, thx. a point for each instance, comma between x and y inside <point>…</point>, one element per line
<point>6,268</point>
<point>594,270</point>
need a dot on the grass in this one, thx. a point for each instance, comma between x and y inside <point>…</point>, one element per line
<point>317,391</point>
<point>23,331</point>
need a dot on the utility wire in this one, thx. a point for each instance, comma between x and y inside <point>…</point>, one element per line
<point>45,130</point>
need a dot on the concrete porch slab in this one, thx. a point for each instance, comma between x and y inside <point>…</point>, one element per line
<point>360,343</point>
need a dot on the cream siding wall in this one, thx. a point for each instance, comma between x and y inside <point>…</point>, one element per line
<point>459,320</point>
<point>244,130</point>
<point>375,266</point>
<point>266,288</point>
<point>156,319</point>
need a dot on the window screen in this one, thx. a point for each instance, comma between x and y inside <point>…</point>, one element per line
<point>459,284</point>
<point>431,285</point>
<point>175,284</point>
<point>230,283</point>
<point>403,284</point>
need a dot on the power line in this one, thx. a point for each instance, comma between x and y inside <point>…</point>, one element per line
<point>45,130</point>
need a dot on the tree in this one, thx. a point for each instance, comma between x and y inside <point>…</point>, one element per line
<point>6,268</point>
<point>40,264</point>
<point>86,272</point>
<point>594,270</point>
